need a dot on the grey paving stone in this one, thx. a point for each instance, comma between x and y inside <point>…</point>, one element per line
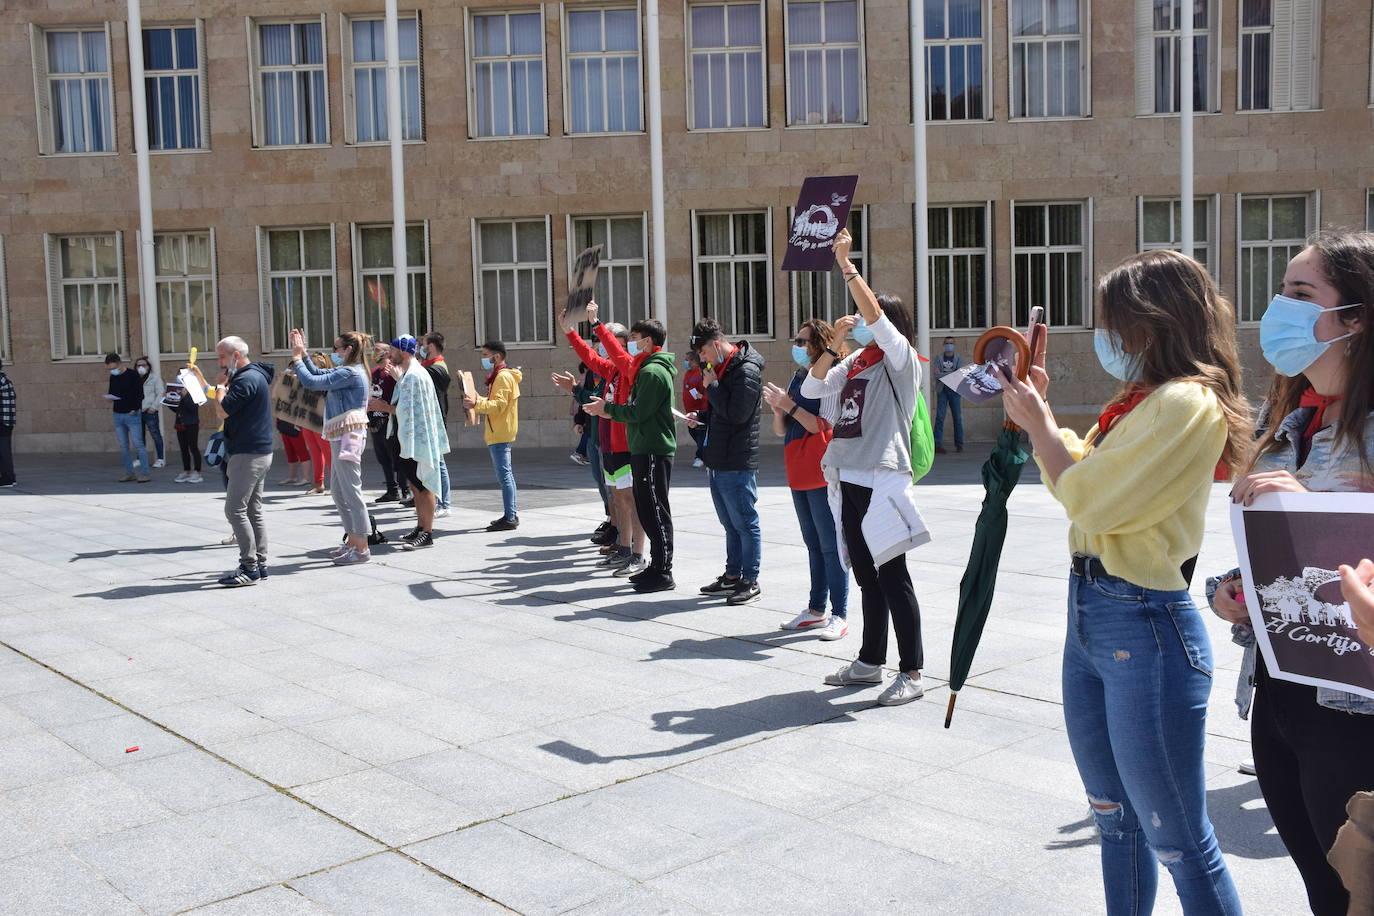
<point>211,721</point>
<point>641,901</point>
<point>55,883</point>
<point>375,738</point>
<point>387,885</point>
<point>32,758</point>
<point>480,787</point>
<point>107,741</point>
<point>190,781</point>
<point>290,705</point>
<point>385,806</point>
<point>287,758</point>
<point>81,807</point>
<point>270,901</point>
<point>282,836</point>
<point>365,691</point>
<point>60,702</point>
<point>20,835</point>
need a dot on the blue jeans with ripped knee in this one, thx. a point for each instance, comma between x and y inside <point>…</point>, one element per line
<point>1137,674</point>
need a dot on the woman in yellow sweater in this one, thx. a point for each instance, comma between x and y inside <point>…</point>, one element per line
<point>1137,661</point>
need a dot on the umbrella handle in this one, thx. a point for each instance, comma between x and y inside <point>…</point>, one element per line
<point>949,710</point>
<point>1018,340</point>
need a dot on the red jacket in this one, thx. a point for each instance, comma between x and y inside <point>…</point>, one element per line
<point>613,368</point>
<point>693,391</point>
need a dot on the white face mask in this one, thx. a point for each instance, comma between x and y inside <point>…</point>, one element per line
<point>142,370</point>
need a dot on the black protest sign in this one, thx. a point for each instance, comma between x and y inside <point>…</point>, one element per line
<point>582,286</point>
<point>296,404</point>
<point>1291,546</point>
<point>822,211</point>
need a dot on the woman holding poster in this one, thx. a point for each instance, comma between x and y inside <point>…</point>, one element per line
<point>1137,668</point>
<point>1314,746</point>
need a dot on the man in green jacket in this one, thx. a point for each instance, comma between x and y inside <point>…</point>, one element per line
<point>652,435</point>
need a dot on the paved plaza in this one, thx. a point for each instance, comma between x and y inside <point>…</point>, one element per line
<point>493,725</point>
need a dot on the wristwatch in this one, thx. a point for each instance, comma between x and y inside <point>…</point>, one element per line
<point>792,413</point>
<point>833,354</point>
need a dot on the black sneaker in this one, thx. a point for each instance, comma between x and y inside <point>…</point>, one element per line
<point>724,585</point>
<point>237,578</point>
<point>390,496</point>
<point>408,501</point>
<point>658,582</point>
<point>505,524</point>
<point>745,592</point>
<point>423,539</point>
<point>648,572</point>
<point>410,535</point>
<point>606,534</point>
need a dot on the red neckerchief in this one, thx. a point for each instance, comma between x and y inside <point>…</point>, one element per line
<point>496,370</point>
<point>868,357</point>
<point>1118,409</point>
<point>1310,398</point>
<point>431,361</point>
<point>720,370</point>
<point>639,360</point>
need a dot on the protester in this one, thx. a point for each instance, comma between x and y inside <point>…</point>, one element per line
<point>868,474</point>
<point>1313,746</point>
<point>733,378</point>
<point>583,389</point>
<point>582,427</point>
<point>1138,668</point>
<point>154,390</point>
<point>419,439</point>
<point>431,355</point>
<point>948,399</point>
<point>186,422</point>
<point>245,406</point>
<point>321,461</point>
<point>297,455</point>
<point>651,434</point>
<point>126,397</point>
<point>383,386</point>
<point>694,403</point>
<point>805,425</point>
<point>1352,855</point>
<point>501,410</point>
<point>345,428</point>
<point>9,416</point>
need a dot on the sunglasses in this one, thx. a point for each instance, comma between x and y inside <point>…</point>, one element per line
<point>802,341</point>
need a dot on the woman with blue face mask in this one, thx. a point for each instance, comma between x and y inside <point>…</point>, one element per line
<point>1137,668</point>
<point>1313,746</point>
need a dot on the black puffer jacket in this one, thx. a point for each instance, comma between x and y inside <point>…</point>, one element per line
<point>732,432</point>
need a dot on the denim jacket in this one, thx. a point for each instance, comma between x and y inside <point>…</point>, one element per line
<point>1329,468</point>
<point>347,387</point>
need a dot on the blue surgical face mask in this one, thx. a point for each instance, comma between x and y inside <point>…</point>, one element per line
<point>338,360</point>
<point>116,371</point>
<point>486,363</point>
<point>863,334</point>
<point>801,356</point>
<point>949,348</point>
<point>601,350</point>
<point>1288,334</point>
<point>632,348</point>
<point>1118,363</point>
<point>420,352</point>
<point>687,364</point>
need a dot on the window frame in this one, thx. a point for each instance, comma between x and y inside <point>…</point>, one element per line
<point>1212,246</point>
<point>212,277</point>
<point>201,74</point>
<point>690,74</point>
<point>569,56</point>
<point>479,309</point>
<point>270,345</point>
<point>1312,216</point>
<point>57,323</point>
<point>1085,66</point>
<point>862,258</point>
<point>257,105</point>
<point>645,261</point>
<point>985,39</point>
<point>1144,13</point>
<point>350,66</point>
<point>1086,215</point>
<point>42,80</point>
<point>1288,31</point>
<point>6,342</point>
<point>470,15</point>
<point>362,273</point>
<point>861,45</point>
<point>987,252</point>
<point>766,257</point>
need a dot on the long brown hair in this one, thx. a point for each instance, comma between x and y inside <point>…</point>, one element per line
<point>1169,314</point>
<point>822,336</point>
<point>1348,264</point>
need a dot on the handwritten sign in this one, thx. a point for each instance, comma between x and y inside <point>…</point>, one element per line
<point>293,403</point>
<point>1290,546</point>
<point>582,286</point>
<point>822,211</point>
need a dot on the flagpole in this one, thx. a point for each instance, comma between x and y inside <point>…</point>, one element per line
<point>922,246</point>
<point>656,220</point>
<point>147,286</point>
<point>401,296</point>
<point>1185,128</point>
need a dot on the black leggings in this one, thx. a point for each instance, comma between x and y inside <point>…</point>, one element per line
<point>188,438</point>
<point>381,449</point>
<point>886,590</point>
<point>1310,760</point>
<point>651,476</point>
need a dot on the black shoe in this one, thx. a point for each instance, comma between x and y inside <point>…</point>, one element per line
<point>958,448</point>
<point>724,585</point>
<point>505,524</point>
<point>745,592</point>
<point>607,534</point>
<point>410,535</point>
<point>423,539</point>
<point>237,578</point>
<point>408,501</point>
<point>658,582</point>
<point>260,572</point>
<point>647,572</point>
<point>390,496</point>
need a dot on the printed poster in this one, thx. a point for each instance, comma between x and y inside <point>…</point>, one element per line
<point>1290,547</point>
<point>822,211</point>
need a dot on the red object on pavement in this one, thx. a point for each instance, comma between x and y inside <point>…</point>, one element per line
<point>130,750</point>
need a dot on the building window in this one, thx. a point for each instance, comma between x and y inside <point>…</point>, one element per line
<point>86,294</point>
<point>6,351</point>
<point>185,271</point>
<point>1050,261</point>
<point>298,274</point>
<point>1273,229</point>
<point>512,259</point>
<point>1048,65</point>
<point>728,87</point>
<point>508,75</point>
<point>622,283</point>
<point>1157,56</point>
<point>375,281</point>
<point>173,61</point>
<point>365,59</point>
<point>960,266</point>
<point>290,92</point>
<point>955,60</point>
<point>1161,225</point>
<point>603,71</point>
<point>824,295</point>
<point>825,73</point>
<point>732,255</point>
<point>1278,55</point>
<point>72,85</point>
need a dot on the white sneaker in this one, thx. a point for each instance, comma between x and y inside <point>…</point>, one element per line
<point>806,620</point>
<point>636,566</point>
<point>854,674</point>
<point>698,463</point>
<point>160,463</point>
<point>180,478</point>
<point>441,513</point>
<point>195,478</point>
<point>352,557</point>
<point>903,689</point>
<point>230,539</point>
<point>835,628</point>
<point>336,552</point>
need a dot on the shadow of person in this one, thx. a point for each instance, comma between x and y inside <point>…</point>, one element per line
<point>186,584</point>
<point>1090,840</point>
<point>1244,830</point>
<point>749,647</point>
<point>137,551</point>
<point>716,725</point>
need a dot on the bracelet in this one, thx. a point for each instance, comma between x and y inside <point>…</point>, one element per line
<point>848,277</point>
<point>793,411</point>
<point>833,354</point>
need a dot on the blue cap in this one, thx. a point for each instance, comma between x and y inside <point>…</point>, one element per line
<point>406,343</point>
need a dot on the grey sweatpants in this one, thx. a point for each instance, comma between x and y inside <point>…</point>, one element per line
<point>346,486</point>
<point>243,505</point>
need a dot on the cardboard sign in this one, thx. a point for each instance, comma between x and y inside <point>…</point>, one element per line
<point>296,404</point>
<point>1290,546</point>
<point>582,286</point>
<point>822,211</point>
<point>465,385</point>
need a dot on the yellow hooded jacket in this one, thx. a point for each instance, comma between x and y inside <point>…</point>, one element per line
<point>500,407</point>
